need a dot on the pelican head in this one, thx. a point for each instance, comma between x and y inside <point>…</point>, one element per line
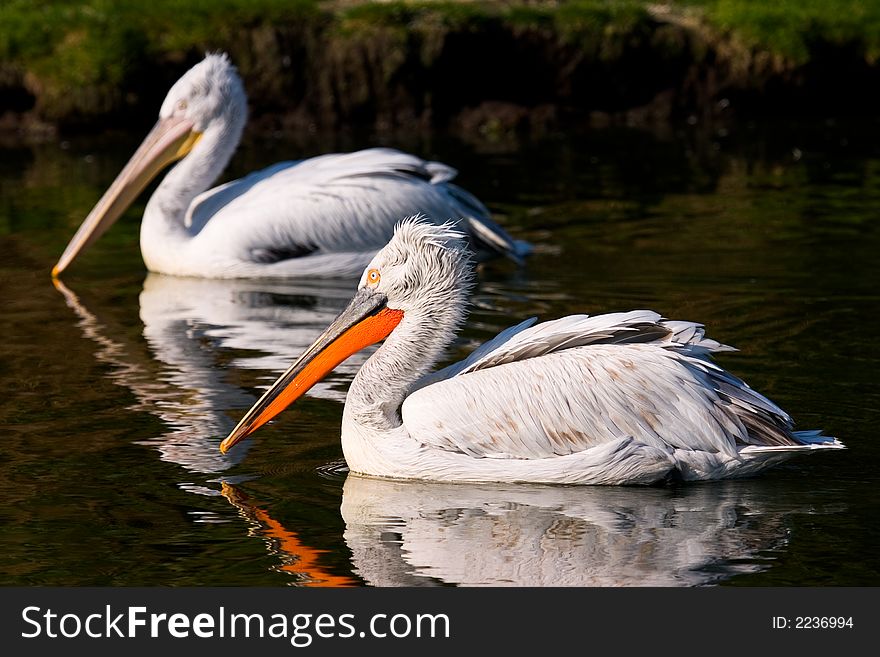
<point>210,89</point>
<point>418,284</point>
<point>208,100</point>
<point>423,268</point>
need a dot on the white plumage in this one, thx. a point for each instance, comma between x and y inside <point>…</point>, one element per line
<point>325,216</point>
<point>624,398</point>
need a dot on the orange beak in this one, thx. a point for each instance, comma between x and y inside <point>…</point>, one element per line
<point>168,141</point>
<point>365,321</point>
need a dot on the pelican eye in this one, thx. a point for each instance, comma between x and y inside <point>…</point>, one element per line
<point>181,105</point>
<point>373,277</point>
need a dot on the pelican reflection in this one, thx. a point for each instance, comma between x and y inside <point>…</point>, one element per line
<point>202,335</point>
<point>423,533</point>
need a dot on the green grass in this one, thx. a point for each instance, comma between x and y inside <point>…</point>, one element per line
<point>79,55</point>
<point>96,44</point>
<point>790,27</point>
<point>94,40</point>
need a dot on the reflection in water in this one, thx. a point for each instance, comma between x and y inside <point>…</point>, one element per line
<point>191,326</point>
<point>297,558</point>
<point>278,319</point>
<point>420,533</point>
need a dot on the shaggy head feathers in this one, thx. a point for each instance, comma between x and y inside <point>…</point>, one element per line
<point>210,88</point>
<point>424,268</point>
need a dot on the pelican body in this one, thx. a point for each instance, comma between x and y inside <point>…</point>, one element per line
<point>325,216</point>
<point>622,398</point>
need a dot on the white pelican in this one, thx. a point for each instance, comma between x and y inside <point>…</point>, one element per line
<point>623,398</point>
<point>325,216</point>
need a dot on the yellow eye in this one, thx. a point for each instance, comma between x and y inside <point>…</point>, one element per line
<point>373,276</point>
<point>181,105</point>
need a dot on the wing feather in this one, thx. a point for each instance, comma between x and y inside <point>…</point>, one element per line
<point>335,203</point>
<point>559,387</point>
<point>527,340</point>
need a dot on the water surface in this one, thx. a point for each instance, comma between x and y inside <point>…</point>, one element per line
<point>118,385</point>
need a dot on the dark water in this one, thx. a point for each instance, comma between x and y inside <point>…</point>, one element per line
<point>118,387</point>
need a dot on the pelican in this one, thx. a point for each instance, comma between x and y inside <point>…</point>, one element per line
<point>621,398</point>
<point>325,216</point>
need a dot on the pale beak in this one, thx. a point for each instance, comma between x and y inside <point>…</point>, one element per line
<point>168,141</point>
<point>365,321</point>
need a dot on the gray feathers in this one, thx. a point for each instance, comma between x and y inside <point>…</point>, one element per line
<point>563,386</point>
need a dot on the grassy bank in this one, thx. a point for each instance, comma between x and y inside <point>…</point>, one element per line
<point>792,29</point>
<point>307,62</point>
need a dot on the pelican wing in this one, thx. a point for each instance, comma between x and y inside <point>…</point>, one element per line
<point>337,203</point>
<point>526,340</point>
<point>561,387</point>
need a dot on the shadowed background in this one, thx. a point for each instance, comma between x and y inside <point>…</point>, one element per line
<point>714,161</point>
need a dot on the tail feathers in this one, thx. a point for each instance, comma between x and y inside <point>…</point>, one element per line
<point>693,337</point>
<point>816,439</point>
<point>808,441</point>
<point>493,238</point>
<point>440,173</point>
<point>485,233</point>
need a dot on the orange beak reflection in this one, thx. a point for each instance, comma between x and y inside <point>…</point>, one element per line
<point>365,321</point>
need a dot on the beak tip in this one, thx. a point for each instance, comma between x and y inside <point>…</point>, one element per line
<point>56,270</point>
